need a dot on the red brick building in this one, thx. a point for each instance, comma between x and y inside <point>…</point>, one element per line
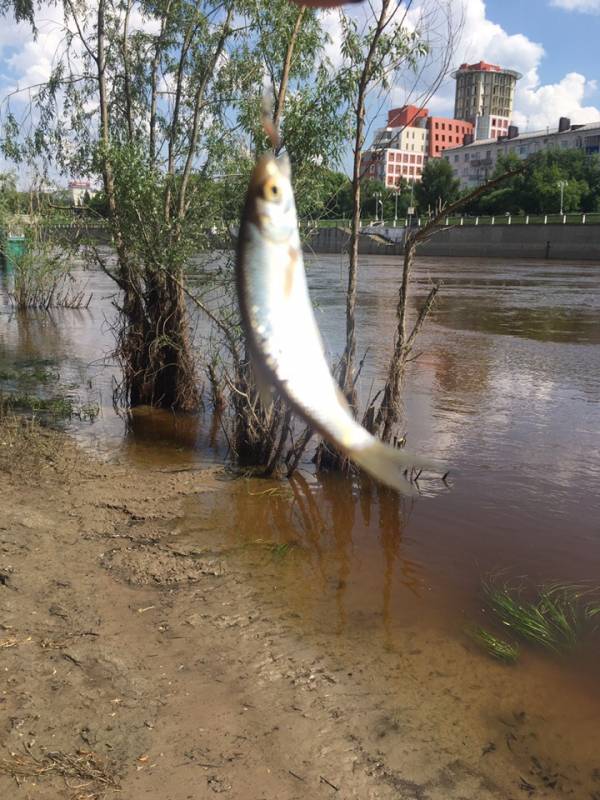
<point>401,149</point>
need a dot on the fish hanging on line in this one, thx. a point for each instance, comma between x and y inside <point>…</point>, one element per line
<point>281,330</point>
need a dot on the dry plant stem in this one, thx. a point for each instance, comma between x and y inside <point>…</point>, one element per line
<point>198,107</point>
<point>296,453</point>
<point>388,412</point>
<point>347,366</point>
<point>281,95</point>
<point>276,456</point>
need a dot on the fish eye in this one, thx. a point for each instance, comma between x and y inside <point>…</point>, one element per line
<point>272,190</point>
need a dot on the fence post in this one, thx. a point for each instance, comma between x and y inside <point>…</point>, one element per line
<point>447,220</point>
<point>476,220</point>
<point>508,221</point>
<point>493,220</point>
<point>462,220</point>
<point>583,219</point>
<point>564,218</point>
<point>545,219</point>
<point>527,220</point>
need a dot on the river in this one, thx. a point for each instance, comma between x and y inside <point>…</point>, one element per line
<point>506,391</point>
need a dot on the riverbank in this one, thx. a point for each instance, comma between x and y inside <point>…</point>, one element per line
<point>147,653</point>
<point>550,242</point>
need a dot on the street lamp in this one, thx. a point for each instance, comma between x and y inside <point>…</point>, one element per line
<point>562,185</point>
<point>376,195</point>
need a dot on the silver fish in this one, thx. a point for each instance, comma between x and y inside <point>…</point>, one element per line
<point>282,334</point>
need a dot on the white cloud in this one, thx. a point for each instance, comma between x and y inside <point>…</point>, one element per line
<point>28,61</point>
<point>541,106</point>
<point>584,6</point>
<point>537,105</point>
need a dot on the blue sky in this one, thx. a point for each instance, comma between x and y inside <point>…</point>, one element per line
<point>554,43</point>
<point>570,38</point>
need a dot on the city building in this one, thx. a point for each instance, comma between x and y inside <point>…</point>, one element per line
<point>484,97</point>
<point>401,149</point>
<point>77,191</point>
<point>482,112</point>
<point>474,163</point>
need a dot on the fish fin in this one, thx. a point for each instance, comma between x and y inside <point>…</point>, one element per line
<point>391,465</point>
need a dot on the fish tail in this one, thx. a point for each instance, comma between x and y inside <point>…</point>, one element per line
<point>391,465</point>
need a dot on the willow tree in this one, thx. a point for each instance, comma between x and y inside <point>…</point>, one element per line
<point>139,97</point>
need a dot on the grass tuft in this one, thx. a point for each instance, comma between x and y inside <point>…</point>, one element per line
<point>495,646</point>
<point>557,616</point>
<point>279,550</point>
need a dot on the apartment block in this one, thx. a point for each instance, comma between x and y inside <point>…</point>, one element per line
<point>474,163</point>
<point>401,149</point>
<point>484,97</point>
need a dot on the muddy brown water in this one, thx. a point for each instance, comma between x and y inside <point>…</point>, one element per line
<point>507,392</point>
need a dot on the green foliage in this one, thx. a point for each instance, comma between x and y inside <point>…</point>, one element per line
<point>42,273</point>
<point>438,186</point>
<point>23,10</point>
<point>373,190</point>
<point>97,206</point>
<point>537,189</point>
<point>398,47</point>
<point>311,108</point>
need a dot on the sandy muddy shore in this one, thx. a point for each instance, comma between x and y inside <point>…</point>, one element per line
<point>140,661</point>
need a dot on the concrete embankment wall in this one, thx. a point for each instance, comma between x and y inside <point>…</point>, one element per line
<point>557,242</point>
<point>98,234</point>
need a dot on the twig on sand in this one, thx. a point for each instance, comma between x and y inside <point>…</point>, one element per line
<point>329,783</point>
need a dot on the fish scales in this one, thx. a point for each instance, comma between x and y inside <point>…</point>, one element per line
<point>282,333</point>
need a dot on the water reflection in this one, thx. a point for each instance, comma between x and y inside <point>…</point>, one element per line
<point>345,557</point>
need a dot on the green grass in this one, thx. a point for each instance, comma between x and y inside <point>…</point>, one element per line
<point>495,646</point>
<point>556,616</point>
<point>57,407</point>
<point>279,550</point>
<point>29,373</point>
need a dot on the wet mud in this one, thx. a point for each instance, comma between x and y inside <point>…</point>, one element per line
<point>156,643</point>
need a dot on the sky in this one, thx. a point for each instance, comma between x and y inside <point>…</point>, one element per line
<point>553,43</point>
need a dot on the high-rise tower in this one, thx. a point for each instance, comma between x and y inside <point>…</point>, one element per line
<point>484,97</point>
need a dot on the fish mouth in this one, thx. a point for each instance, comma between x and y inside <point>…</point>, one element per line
<point>268,166</point>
